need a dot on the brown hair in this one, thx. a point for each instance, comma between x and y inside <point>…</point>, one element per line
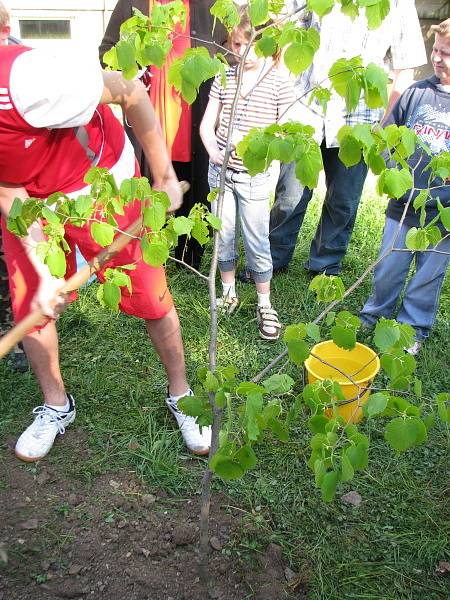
<point>443,29</point>
<point>4,16</point>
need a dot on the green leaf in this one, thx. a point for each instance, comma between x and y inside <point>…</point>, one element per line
<point>279,429</point>
<point>258,11</point>
<point>154,216</point>
<point>102,233</point>
<point>347,471</point>
<point>298,57</point>
<point>278,384</point>
<point>376,11</point>
<point>253,407</point>
<point>220,398</point>
<point>298,351</point>
<point>214,221</point>
<point>386,334</point>
<point>319,471</point>
<point>328,485</point>
<point>317,423</point>
<point>346,78</point>
<point>111,296</point>
<point>155,253</point>
<point>226,11</point>
<point>401,433</point>
<point>397,182</point>
<point>357,456</point>
<point>376,404</point>
<point>308,165</point>
<point>417,239</point>
<point>350,151</point>
<point>246,457</point>
<point>443,410</point>
<point>191,406</point>
<point>182,225</point>
<point>313,331</point>
<point>228,469</point>
<point>376,90</point>
<point>211,383</point>
<point>343,337</point>
<point>444,214</point>
<point>320,7</point>
<point>56,262</point>
<point>327,287</point>
<point>296,331</point>
<point>200,232</point>
<point>126,59</point>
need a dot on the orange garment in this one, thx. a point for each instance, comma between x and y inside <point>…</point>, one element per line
<point>173,112</point>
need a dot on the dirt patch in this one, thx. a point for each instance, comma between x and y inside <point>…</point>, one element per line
<point>114,538</point>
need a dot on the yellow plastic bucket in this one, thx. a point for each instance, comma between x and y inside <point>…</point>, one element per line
<point>361,364</point>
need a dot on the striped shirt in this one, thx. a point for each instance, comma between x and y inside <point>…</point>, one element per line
<point>262,105</point>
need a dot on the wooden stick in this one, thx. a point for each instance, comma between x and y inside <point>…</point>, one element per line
<point>17,333</point>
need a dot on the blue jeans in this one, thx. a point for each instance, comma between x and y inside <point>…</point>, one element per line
<point>328,248</point>
<point>421,296</point>
<point>245,209</point>
<point>286,216</point>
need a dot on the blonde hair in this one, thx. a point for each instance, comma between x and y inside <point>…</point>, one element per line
<point>443,29</point>
<point>4,16</point>
<point>245,27</point>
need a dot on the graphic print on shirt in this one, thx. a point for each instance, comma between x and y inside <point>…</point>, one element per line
<point>432,126</point>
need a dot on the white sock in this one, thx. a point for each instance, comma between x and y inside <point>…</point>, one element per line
<point>264,299</point>
<point>174,399</point>
<point>64,408</point>
<point>229,289</point>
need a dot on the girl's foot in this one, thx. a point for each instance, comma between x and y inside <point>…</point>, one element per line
<point>227,304</point>
<point>268,323</point>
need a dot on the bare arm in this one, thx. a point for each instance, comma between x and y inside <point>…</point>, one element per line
<point>138,110</point>
<point>208,130</point>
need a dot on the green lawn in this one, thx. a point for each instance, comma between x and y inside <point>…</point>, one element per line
<point>387,548</point>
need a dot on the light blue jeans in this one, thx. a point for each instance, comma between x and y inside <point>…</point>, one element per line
<point>245,209</point>
<point>421,297</point>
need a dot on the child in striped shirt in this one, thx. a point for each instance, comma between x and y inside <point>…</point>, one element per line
<point>263,98</point>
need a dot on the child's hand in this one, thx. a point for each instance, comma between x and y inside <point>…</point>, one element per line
<point>216,157</point>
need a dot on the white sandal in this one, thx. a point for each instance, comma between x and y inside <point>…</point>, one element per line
<point>268,324</point>
<point>227,305</point>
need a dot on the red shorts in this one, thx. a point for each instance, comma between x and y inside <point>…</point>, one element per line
<point>150,297</point>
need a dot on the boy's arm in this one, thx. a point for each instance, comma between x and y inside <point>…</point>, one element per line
<point>208,131</point>
<point>138,110</point>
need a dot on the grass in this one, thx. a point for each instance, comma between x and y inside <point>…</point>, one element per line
<point>385,549</point>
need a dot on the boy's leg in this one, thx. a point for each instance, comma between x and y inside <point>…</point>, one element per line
<point>286,215</point>
<point>389,275</point>
<point>344,188</point>
<point>42,350</point>
<point>165,335</point>
<point>421,299</point>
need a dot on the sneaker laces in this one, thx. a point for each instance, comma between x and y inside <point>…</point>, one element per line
<point>47,416</point>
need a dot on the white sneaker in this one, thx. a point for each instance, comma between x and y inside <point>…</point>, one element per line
<point>197,440</point>
<point>37,440</point>
<point>414,349</point>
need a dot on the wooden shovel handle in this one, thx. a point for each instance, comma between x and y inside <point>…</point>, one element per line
<point>17,333</point>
